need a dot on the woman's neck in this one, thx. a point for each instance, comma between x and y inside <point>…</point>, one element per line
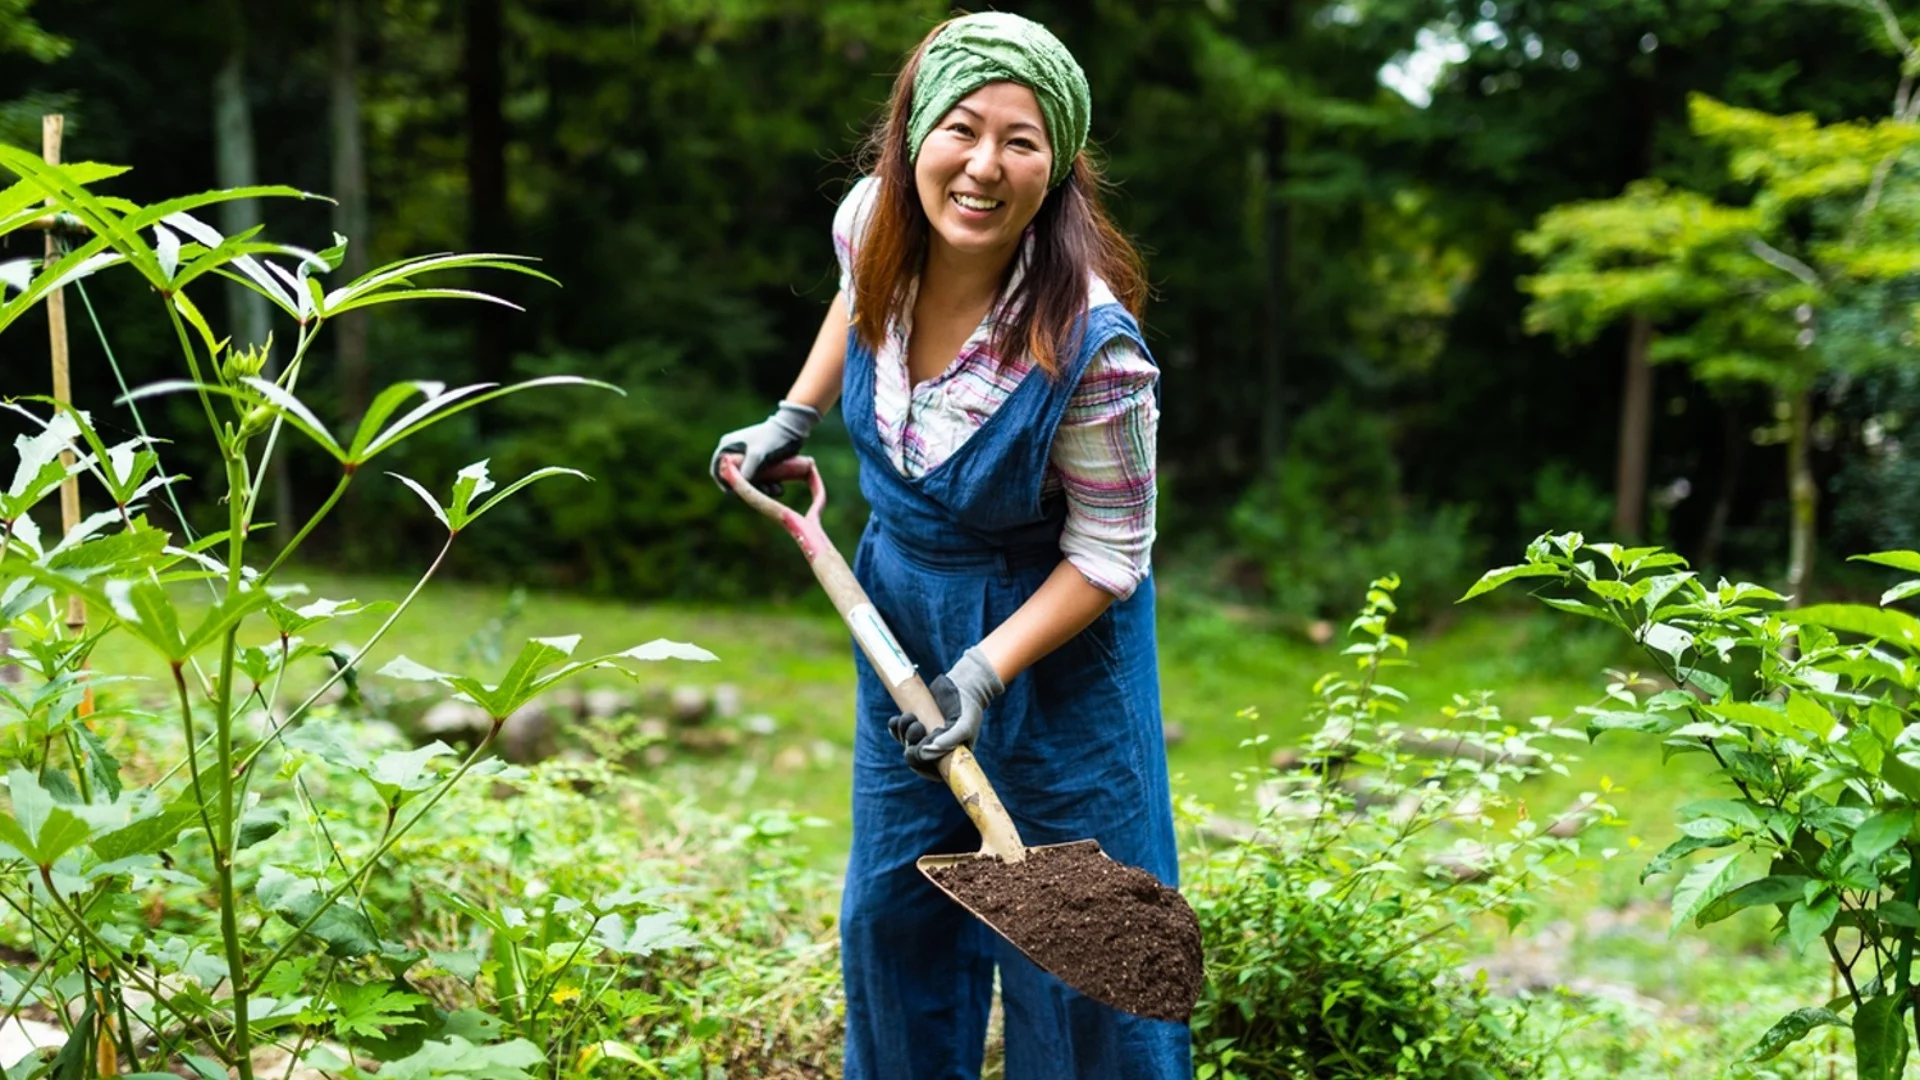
<point>952,280</point>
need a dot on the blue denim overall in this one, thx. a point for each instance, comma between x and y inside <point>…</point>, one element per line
<point>1074,749</point>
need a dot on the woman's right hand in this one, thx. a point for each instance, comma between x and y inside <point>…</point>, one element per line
<point>774,439</point>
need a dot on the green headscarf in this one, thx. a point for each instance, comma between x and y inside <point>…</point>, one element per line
<point>996,46</point>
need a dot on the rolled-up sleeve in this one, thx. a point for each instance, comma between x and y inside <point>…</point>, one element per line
<point>1104,453</point>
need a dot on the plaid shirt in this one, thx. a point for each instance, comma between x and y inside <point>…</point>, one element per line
<point>1103,451</point>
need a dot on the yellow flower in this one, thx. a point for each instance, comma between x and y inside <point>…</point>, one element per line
<point>562,995</point>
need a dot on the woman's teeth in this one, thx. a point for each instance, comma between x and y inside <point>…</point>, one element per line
<point>972,203</point>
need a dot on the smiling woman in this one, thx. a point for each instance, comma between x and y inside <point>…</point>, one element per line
<point>1003,406</point>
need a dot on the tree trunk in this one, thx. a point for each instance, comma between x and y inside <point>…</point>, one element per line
<point>1273,237</point>
<point>1636,435</point>
<point>1733,456</point>
<point>1805,497</point>
<point>249,317</point>
<point>486,174</point>
<point>350,212</point>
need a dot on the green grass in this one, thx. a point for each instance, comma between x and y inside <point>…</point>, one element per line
<point>794,665</point>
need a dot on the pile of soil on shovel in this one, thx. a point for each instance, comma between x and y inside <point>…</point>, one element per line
<point>1108,930</point>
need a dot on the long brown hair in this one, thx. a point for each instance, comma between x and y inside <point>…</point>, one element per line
<point>1072,237</point>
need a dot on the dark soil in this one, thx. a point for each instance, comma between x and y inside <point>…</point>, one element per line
<point>1108,930</point>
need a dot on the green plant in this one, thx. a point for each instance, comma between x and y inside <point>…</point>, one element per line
<point>1334,925</point>
<point>1333,513</point>
<point>290,950</point>
<point>1807,714</point>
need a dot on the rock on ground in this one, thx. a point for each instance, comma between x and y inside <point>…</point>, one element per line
<point>19,1037</point>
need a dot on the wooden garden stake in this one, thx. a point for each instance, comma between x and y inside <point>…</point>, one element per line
<point>51,127</point>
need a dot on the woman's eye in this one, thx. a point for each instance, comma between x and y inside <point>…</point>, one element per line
<point>1026,144</point>
<point>960,129</point>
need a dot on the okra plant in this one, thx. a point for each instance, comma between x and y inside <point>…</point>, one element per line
<point>290,952</point>
<point>1808,715</point>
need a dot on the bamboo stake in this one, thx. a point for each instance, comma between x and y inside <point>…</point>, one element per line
<point>52,127</point>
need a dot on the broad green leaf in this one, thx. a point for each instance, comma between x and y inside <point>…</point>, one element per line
<point>1790,1029</point>
<point>1893,627</point>
<point>364,1010</point>
<point>400,667</point>
<point>1899,560</point>
<point>1704,883</point>
<point>398,773</point>
<point>1903,775</point>
<point>1809,715</point>
<point>1493,579</point>
<point>346,932</point>
<point>1764,717</point>
<point>1879,1039</point>
<point>1678,850</point>
<point>1881,832</point>
<point>662,649</point>
<point>1576,607</point>
<point>1898,913</point>
<point>1806,923</point>
<point>1778,889</point>
<point>260,823</point>
<point>456,1057</point>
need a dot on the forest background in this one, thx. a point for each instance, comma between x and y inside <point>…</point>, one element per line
<point>1331,197</point>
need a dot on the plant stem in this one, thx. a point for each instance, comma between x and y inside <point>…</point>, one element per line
<point>338,490</point>
<point>223,747</point>
<point>299,710</point>
<point>292,376</point>
<point>373,860</point>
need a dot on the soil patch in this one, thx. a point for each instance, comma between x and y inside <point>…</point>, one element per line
<point>1108,930</point>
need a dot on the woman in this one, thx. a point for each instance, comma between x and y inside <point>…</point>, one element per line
<point>1003,408</point>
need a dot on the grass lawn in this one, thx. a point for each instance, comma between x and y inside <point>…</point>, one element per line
<point>793,664</point>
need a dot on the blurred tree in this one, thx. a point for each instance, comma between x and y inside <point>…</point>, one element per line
<point>1743,286</point>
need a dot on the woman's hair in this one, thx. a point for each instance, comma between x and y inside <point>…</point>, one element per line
<point>1072,237</point>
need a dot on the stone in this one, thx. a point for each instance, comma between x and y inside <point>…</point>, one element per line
<point>603,702</point>
<point>1320,631</point>
<point>707,740</point>
<point>653,757</point>
<point>455,720</point>
<point>19,1038</point>
<point>527,736</point>
<point>790,759</point>
<point>689,705</point>
<point>652,727</point>
<point>727,701</point>
<point>760,724</point>
<point>1174,734</point>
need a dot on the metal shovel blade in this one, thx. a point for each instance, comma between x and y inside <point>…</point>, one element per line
<point>929,863</point>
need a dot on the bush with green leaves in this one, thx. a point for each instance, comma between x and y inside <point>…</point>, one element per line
<point>1332,513</point>
<point>1807,715</point>
<point>291,950</point>
<point>1335,924</point>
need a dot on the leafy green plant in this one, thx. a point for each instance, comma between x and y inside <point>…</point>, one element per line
<point>1334,513</point>
<point>1807,714</point>
<point>290,951</point>
<point>1335,923</point>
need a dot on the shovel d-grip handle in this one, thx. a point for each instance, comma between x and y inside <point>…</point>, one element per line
<point>959,769</point>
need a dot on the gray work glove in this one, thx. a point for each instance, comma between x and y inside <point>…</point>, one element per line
<point>963,695</point>
<point>768,442</point>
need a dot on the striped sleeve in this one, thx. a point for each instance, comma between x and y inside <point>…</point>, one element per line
<point>850,225</point>
<point>1104,453</point>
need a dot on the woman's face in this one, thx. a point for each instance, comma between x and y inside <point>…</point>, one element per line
<point>982,172</point>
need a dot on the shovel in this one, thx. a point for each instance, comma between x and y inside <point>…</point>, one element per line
<point>961,771</point>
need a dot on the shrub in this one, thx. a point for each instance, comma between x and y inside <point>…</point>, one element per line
<point>1333,514</point>
<point>1335,923</point>
<point>1808,717</point>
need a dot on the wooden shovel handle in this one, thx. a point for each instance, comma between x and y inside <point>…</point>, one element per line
<point>959,769</point>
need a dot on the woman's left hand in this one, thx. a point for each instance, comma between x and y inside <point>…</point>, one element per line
<point>963,695</point>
